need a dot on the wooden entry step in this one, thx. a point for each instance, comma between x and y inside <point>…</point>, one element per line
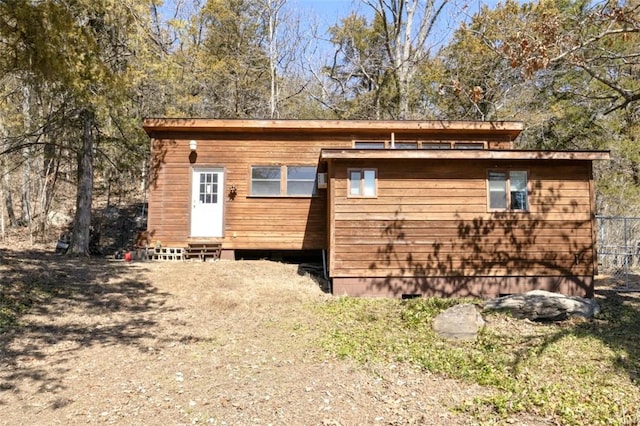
<point>203,251</point>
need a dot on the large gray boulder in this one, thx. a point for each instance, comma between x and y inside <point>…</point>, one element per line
<point>58,219</point>
<point>544,305</point>
<point>459,322</point>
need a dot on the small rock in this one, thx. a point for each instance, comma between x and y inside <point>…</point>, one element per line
<point>459,322</point>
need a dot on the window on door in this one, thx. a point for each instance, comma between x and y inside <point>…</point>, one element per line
<point>507,190</point>
<point>362,182</point>
<point>208,190</point>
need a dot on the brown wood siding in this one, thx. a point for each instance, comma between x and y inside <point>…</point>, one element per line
<point>252,222</point>
<point>169,203</point>
<point>430,219</point>
<point>460,286</point>
<point>288,223</point>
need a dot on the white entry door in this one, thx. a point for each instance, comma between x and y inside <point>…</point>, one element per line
<point>207,202</point>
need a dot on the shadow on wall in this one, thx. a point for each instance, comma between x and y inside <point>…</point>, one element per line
<point>470,257</point>
<point>159,151</point>
<point>315,227</point>
<point>160,147</point>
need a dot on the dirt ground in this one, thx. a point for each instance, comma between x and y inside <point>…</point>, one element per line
<point>172,343</point>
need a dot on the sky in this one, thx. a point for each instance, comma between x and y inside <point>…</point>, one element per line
<point>329,12</point>
<point>332,8</point>
<point>326,13</point>
<point>325,8</point>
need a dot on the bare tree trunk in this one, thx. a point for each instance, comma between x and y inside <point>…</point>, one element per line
<point>408,25</point>
<point>1,216</point>
<point>273,98</point>
<point>4,181</point>
<point>145,175</point>
<point>25,215</point>
<point>50,165</point>
<point>8,199</point>
<point>82,222</point>
<point>272,11</point>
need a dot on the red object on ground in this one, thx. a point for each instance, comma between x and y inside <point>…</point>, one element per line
<point>127,256</point>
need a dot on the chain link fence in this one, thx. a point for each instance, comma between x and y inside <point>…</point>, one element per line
<point>618,241</point>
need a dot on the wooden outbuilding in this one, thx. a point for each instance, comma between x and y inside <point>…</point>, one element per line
<point>399,208</point>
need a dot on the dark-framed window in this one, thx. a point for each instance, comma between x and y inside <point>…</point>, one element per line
<point>435,145</point>
<point>363,182</point>
<point>284,180</point>
<point>507,190</point>
<point>417,144</point>
<point>369,144</point>
<point>468,145</point>
<point>405,145</point>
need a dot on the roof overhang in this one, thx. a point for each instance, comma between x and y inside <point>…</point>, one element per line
<point>432,128</point>
<point>459,154</point>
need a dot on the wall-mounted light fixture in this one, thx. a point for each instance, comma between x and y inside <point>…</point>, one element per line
<point>193,145</point>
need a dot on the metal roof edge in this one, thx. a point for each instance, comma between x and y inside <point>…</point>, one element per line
<point>462,154</point>
<point>202,124</point>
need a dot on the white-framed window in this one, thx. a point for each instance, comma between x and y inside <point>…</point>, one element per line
<point>208,188</point>
<point>301,180</point>
<point>279,181</point>
<point>362,182</point>
<point>265,180</point>
<point>507,190</point>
